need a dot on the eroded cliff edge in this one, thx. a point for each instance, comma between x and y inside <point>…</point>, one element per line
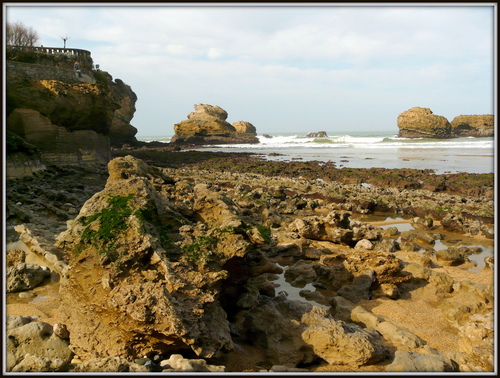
<point>64,118</point>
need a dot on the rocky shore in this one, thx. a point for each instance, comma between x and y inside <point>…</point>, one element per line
<point>177,261</point>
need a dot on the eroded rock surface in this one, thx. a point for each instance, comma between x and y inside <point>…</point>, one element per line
<point>208,125</point>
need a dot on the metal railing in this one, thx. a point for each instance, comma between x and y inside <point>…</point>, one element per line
<point>81,54</point>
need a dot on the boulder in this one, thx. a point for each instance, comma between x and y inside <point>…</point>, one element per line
<point>450,256</point>
<point>473,125</point>
<point>422,123</point>
<point>340,343</point>
<point>177,363</point>
<point>244,127</point>
<point>208,125</point>
<point>33,363</point>
<point>36,338</point>
<point>24,276</point>
<point>405,361</point>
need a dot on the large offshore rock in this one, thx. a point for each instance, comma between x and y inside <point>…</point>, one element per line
<point>422,123</point>
<point>473,125</point>
<point>208,125</point>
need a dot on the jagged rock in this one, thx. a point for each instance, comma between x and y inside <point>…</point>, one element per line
<point>107,365</point>
<point>341,343</point>
<point>385,265</point>
<point>244,127</point>
<point>14,257</point>
<point>319,134</point>
<point>33,363</point>
<point>208,125</point>
<point>22,277</point>
<point>38,339</point>
<point>473,125</point>
<point>422,123</point>
<point>160,280</point>
<point>477,344</point>
<point>334,227</point>
<point>439,283</point>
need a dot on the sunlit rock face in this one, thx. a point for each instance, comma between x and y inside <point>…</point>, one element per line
<point>422,123</point>
<point>208,125</point>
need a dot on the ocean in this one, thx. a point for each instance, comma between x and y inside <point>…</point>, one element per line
<point>371,149</point>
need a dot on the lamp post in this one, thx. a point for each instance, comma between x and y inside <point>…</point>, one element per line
<point>65,39</point>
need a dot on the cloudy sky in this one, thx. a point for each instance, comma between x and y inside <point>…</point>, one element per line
<point>296,68</point>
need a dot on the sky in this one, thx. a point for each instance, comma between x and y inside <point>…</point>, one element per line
<point>285,68</point>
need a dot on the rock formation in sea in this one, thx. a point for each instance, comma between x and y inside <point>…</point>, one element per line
<point>67,118</point>
<point>319,134</point>
<point>422,123</point>
<point>208,125</point>
<point>473,125</point>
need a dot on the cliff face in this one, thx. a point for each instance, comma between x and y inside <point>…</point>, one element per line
<point>208,125</point>
<point>422,123</point>
<point>65,116</point>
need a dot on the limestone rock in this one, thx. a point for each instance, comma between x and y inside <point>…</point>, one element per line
<point>98,106</point>
<point>24,276</point>
<point>275,326</point>
<point>58,144</point>
<point>159,271</point>
<point>422,123</point>
<point>477,343</point>
<point>38,339</point>
<point>244,127</point>
<point>319,134</point>
<point>33,363</point>
<point>107,365</point>
<point>208,125</point>
<point>405,361</point>
<point>14,257</point>
<point>473,125</point>
<point>341,343</point>
<point>178,363</point>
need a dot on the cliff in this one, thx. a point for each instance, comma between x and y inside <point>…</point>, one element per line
<point>208,125</point>
<point>422,123</point>
<point>69,119</point>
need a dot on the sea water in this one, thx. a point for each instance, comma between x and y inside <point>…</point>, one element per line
<point>371,149</point>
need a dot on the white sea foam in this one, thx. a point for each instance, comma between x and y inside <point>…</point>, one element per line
<point>372,149</point>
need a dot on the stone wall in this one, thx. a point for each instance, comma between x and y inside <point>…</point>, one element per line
<point>40,72</point>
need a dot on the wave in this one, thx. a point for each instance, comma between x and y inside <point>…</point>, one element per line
<point>352,140</point>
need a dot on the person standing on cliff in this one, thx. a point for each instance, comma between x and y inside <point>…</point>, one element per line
<point>77,65</point>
